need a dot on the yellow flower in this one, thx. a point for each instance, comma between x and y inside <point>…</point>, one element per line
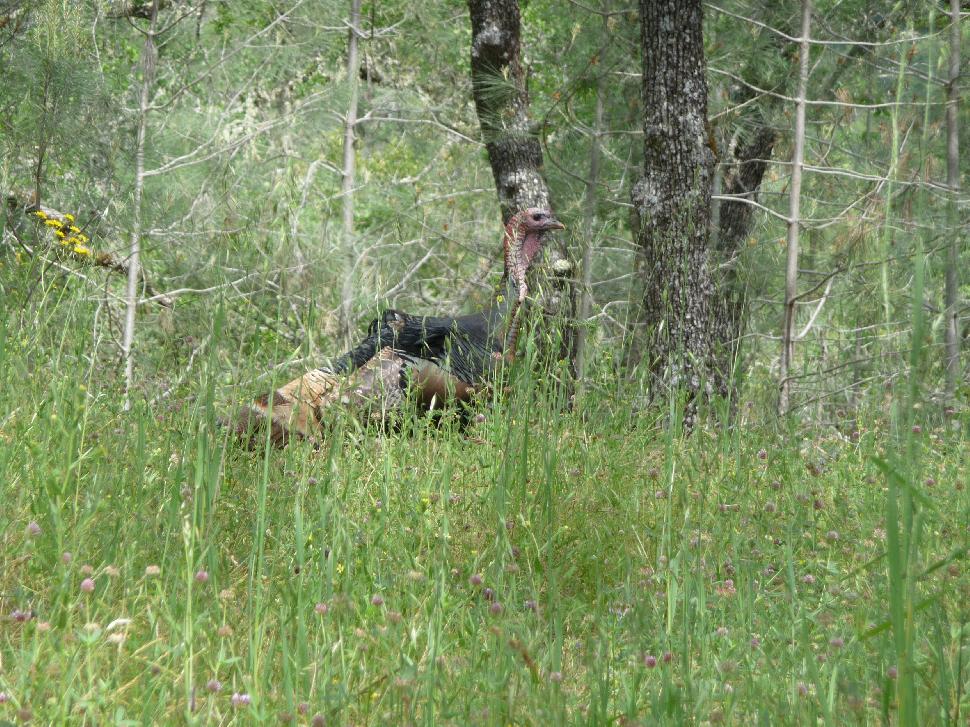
<point>340,568</point>
<point>53,223</point>
<point>81,250</point>
<point>59,233</point>
<point>500,299</point>
<point>41,214</point>
<point>69,217</point>
<point>75,229</point>
<point>82,237</point>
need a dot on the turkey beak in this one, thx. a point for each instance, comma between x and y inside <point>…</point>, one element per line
<point>553,224</point>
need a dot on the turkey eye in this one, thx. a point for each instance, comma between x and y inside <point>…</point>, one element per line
<point>537,217</point>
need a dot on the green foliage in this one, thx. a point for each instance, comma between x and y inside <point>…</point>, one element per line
<point>787,586</point>
<point>348,578</point>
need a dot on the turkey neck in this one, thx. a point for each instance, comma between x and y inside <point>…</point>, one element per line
<point>505,316</point>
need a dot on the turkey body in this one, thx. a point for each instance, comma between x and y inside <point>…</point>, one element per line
<point>443,357</point>
<point>432,360</point>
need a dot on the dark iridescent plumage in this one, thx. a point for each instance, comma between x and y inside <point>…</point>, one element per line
<point>465,347</point>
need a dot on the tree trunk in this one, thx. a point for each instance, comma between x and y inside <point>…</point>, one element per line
<point>589,236</point>
<point>952,282</point>
<point>349,169</point>
<point>748,153</point>
<point>134,272</point>
<point>794,201</point>
<point>502,103</point>
<point>512,143</point>
<point>741,182</point>
<point>672,203</point>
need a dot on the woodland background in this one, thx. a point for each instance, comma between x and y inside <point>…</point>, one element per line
<point>801,556</point>
<point>244,167</point>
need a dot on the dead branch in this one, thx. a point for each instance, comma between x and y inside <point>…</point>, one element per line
<point>134,9</point>
<point>78,248</point>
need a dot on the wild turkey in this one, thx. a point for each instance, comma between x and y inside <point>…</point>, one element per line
<point>437,360</point>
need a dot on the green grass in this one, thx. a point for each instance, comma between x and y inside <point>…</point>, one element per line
<point>737,575</point>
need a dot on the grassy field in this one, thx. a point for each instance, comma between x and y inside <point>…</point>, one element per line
<point>538,568</point>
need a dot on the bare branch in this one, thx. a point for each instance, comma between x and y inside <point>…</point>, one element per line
<point>815,41</point>
<point>101,259</point>
<point>818,309</point>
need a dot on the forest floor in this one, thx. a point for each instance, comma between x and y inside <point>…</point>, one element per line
<point>537,568</point>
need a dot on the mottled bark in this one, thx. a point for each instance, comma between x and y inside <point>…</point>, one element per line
<point>672,202</point>
<point>742,179</point>
<point>502,103</point>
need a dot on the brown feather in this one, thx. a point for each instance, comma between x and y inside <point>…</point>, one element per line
<point>300,407</point>
<point>435,387</point>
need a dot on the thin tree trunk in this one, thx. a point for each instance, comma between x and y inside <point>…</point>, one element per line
<point>952,281</point>
<point>134,271</point>
<point>349,170</point>
<point>741,180</point>
<point>672,203</point>
<point>589,234</point>
<point>794,202</point>
<point>42,136</point>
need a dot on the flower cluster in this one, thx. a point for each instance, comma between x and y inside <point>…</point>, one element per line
<point>67,233</point>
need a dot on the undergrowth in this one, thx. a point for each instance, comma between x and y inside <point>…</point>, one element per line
<point>539,566</point>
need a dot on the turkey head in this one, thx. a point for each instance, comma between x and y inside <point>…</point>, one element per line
<point>524,235</point>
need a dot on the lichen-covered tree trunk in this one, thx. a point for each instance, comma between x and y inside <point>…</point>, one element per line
<point>502,103</point>
<point>672,204</point>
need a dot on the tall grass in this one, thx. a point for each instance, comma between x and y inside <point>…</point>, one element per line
<point>542,566</point>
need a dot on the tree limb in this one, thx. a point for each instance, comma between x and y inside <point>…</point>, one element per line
<point>101,259</point>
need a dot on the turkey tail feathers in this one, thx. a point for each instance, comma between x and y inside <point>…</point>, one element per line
<point>307,405</point>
